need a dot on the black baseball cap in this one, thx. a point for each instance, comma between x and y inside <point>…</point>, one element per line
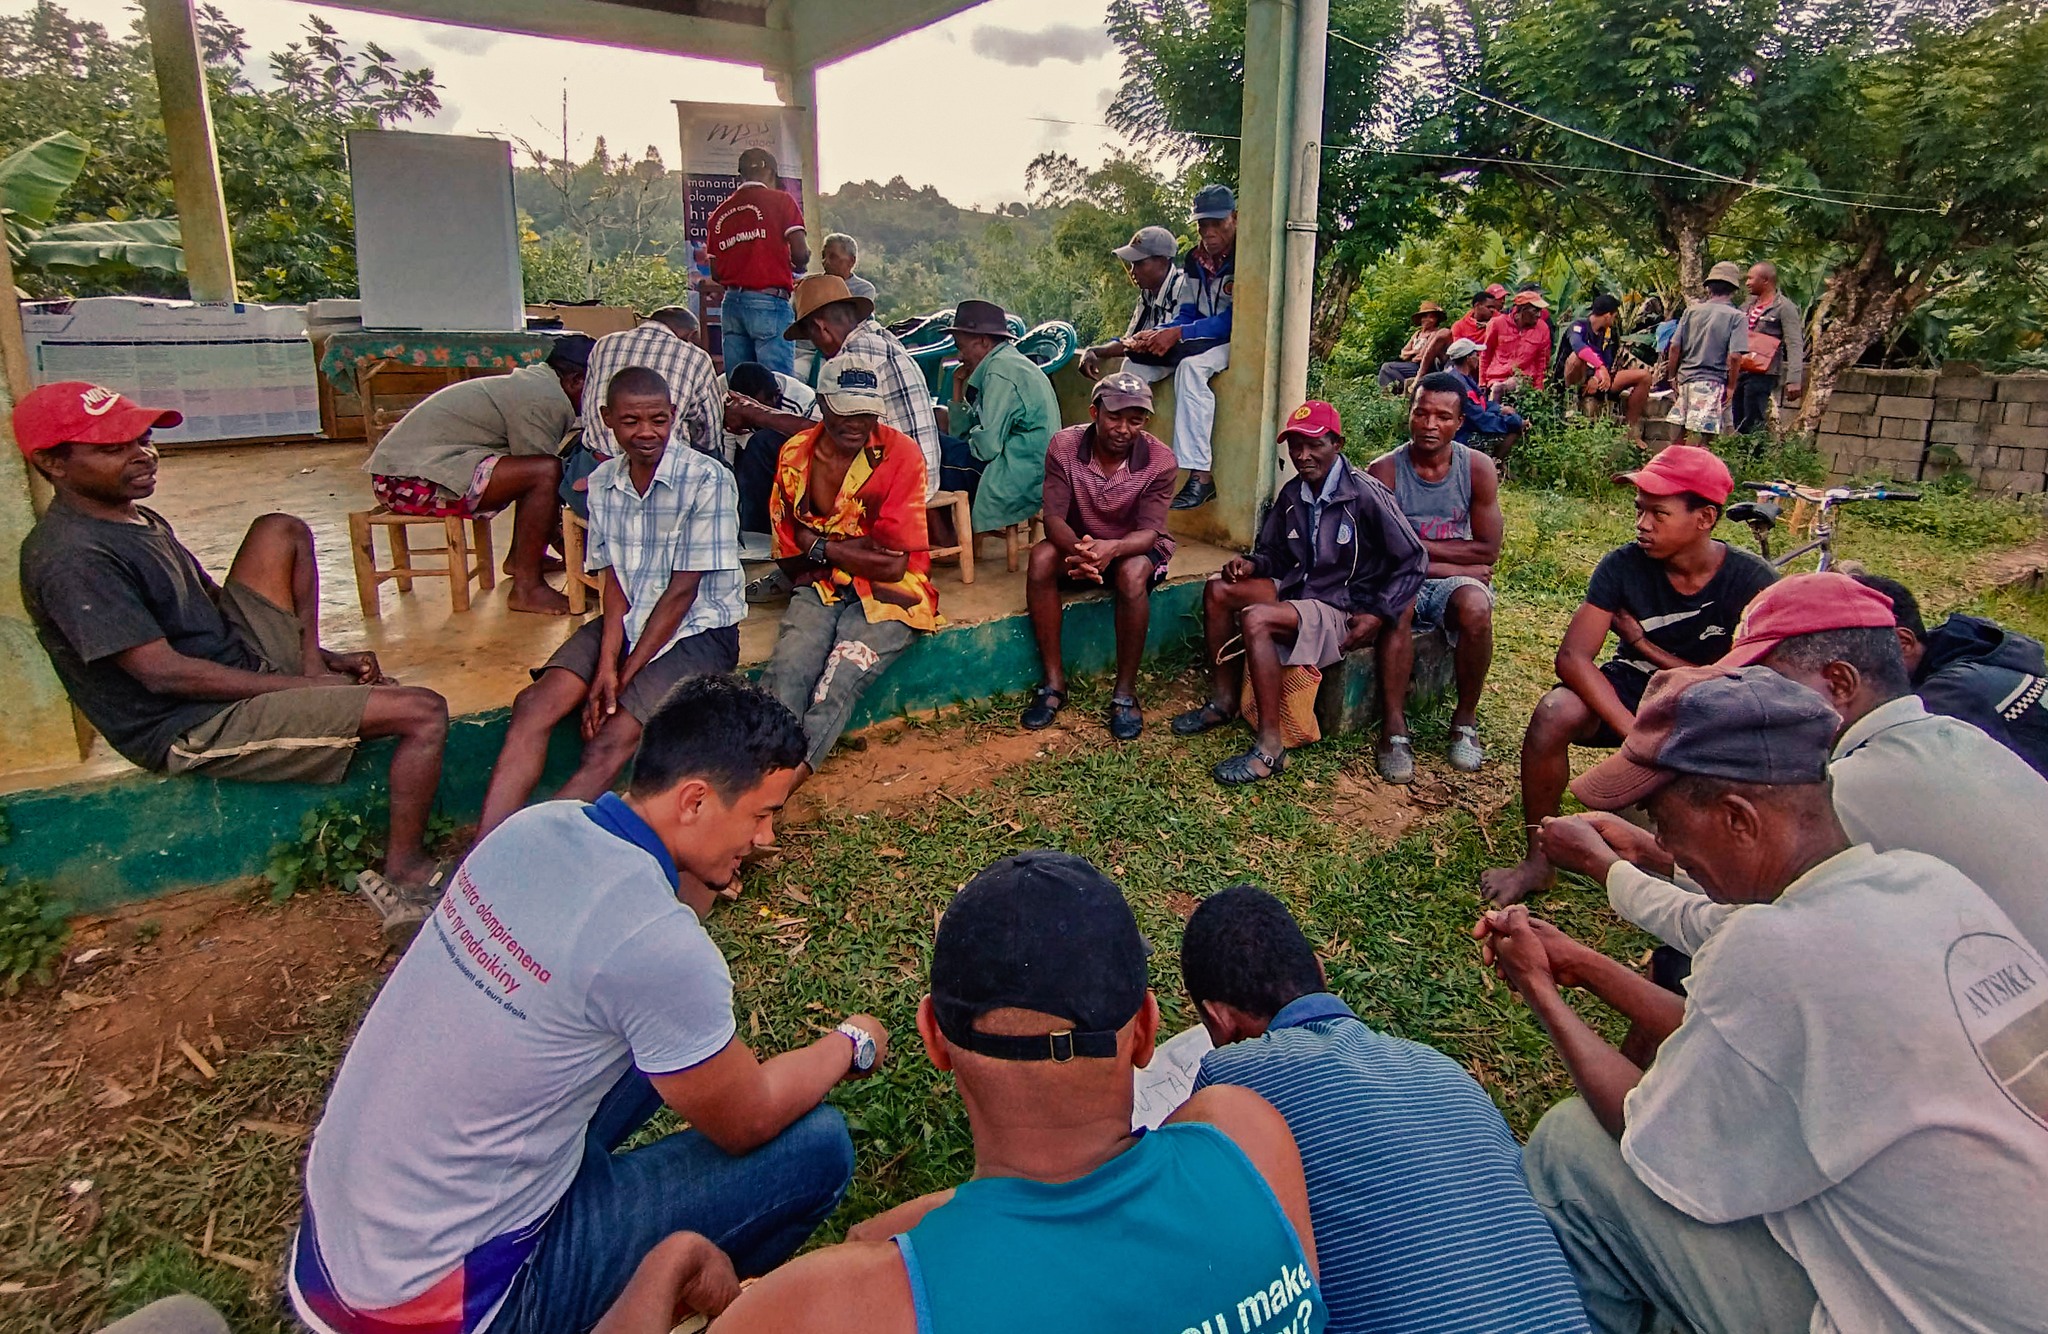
<point>571,351</point>
<point>1042,931</point>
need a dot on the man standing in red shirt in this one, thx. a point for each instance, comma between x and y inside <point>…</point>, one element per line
<point>1518,343</point>
<point>756,247</point>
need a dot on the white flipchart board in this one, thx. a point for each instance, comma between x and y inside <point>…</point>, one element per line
<point>437,238</point>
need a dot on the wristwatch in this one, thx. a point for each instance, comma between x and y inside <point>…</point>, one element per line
<point>817,551</point>
<point>863,1046</point>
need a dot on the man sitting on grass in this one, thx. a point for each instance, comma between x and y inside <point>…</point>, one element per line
<point>1844,1128</point>
<point>466,1175</point>
<point>664,531</point>
<point>185,676</point>
<point>1334,565</point>
<point>1107,488</point>
<point>848,515</point>
<point>1451,494</point>
<point>1415,1182</point>
<point>1039,1008</point>
<point>1672,597</point>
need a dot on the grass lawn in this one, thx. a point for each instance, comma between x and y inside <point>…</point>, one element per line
<point>841,921</point>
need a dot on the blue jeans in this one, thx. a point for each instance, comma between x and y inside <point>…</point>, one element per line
<point>752,325</point>
<point>959,470</point>
<point>758,1207</point>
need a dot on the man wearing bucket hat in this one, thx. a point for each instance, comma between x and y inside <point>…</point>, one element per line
<point>1517,343</point>
<point>1107,488</point>
<point>1844,1126</point>
<point>1040,1010</point>
<point>1195,347</point>
<point>1003,412</point>
<point>183,675</point>
<point>1150,260</point>
<point>1335,564</point>
<point>1424,348</point>
<point>1671,598</point>
<point>1704,359</point>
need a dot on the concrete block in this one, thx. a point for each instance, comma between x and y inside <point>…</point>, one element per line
<point>1853,382</point>
<point>1965,386</point>
<point>2037,414</point>
<point>1958,434</point>
<point>2009,481</point>
<point>1841,402</point>
<point>2014,414</point>
<point>1349,698</point>
<point>1850,445</point>
<point>1900,428</point>
<point>1895,405</point>
<point>1891,451</point>
<point>2011,458</point>
<point>2019,437</point>
<point>2034,460</point>
<point>2023,389</point>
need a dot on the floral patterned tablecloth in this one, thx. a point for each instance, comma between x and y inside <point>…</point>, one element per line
<point>428,349</point>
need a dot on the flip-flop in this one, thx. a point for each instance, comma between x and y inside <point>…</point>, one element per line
<point>1042,710</point>
<point>1196,721</point>
<point>1237,771</point>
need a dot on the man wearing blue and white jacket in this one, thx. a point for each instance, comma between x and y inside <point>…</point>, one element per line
<point>1195,348</point>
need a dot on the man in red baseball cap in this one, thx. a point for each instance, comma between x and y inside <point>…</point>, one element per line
<point>182,675</point>
<point>1334,563</point>
<point>1671,598</point>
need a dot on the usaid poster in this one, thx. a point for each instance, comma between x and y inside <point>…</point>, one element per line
<point>714,135</point>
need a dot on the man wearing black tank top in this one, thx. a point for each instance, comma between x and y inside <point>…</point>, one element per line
<point>1451,497</point>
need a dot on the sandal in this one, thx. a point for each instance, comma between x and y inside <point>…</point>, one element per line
<point>1043,709</point>
<point>1125,719</point>
<point>401,909</point>
<point>1237,771</point>
<point>1196,721</point>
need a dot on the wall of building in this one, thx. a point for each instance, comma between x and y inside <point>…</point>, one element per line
<point>1918,425</point>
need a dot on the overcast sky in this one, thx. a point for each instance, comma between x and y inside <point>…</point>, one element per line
<point>952,105</point>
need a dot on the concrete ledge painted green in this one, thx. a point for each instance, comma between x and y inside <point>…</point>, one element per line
<point>139,835</point>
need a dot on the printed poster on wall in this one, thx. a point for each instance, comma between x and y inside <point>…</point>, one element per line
<point>714,135</point>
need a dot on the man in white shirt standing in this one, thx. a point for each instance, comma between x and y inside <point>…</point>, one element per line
<point>1847,1128</point>
<point>465,1174</point>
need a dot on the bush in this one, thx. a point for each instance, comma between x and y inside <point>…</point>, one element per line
<point>32,931</point>
<point>1373,422</point>
<point>1579,457</point>
<point>1951,513</point>
<point>336,843</point>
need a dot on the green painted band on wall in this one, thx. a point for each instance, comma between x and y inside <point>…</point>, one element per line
<point>139,835</point>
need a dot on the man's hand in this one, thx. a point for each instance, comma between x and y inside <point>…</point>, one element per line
<point>1572,843</point>
<point>602,701</point>
<point>741,412</point>
<point>1633,843</point>
<point>1601,381</point>
<point>1509,944</point>
<point>1360,629</point>
<point>1794,392</point>
<point>1091,364</point>
<point>880,1033</point>
<point>1087,560</point>
<point>1164,340</point>
<point>1237,568</point>
<point>361,668</point>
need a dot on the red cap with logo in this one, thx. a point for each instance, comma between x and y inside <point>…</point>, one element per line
<point>74,412</point>
<point>1314,419</point>
<point>1681,468</point>
<point>1806,604</point>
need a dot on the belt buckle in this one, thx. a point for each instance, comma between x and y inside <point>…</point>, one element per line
<point>1052,1042</point>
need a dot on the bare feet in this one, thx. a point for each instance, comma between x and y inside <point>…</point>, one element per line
<point>1504,885</point>
<point>539,599</point>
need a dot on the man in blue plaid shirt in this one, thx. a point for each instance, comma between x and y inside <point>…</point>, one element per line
<point>664,529</point>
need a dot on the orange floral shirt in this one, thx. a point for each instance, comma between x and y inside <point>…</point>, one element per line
<point>881,499</point>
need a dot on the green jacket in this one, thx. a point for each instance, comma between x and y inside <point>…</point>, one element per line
<point>1008,424</point>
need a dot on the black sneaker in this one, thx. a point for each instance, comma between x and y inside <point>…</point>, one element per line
<point>1195,494</point>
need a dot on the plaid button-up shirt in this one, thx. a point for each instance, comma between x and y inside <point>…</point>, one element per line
<point>688,520</point>
<point>909,398</point>
<point>692,384</point>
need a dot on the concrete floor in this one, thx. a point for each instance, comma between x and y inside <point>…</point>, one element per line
<point>480,658</point>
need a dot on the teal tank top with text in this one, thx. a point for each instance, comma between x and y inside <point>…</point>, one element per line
<point>1179,1234</point>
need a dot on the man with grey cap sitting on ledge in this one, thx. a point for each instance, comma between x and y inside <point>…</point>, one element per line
<point>1150,259</point>
<point>1040,1007</point>
<point>1845,1125</point>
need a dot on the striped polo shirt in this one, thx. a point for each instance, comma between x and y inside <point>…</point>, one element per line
<point>1423,1220</point>
<point>1133,498</point>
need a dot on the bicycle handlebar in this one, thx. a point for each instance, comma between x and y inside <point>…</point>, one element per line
<point>1832,495</point>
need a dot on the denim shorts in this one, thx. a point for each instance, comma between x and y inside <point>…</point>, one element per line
<point>1433,603</point>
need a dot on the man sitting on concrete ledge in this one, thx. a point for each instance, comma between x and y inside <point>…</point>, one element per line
<point>1335,563</point>
<point>1107,489</point>
<point>664,532</point>
<point>1451,494</point>
<point>848,514</point>
<point>182,675</point>
<point>465,1174</point>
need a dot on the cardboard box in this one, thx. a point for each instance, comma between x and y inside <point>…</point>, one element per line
<point>597,321</point>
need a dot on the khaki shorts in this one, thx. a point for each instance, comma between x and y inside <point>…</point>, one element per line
<point>307,735</point>
<point>713,652</point>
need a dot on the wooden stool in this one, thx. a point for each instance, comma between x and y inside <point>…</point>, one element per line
<point>580,583</point>
<point>1019,538</point>
<point>467,555</point>
<point>963,530</point>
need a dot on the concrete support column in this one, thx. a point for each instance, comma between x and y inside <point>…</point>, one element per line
<point>1249,395</point>
<point>1312,44</point>
<point>804,98</point>
<point>195,164</point>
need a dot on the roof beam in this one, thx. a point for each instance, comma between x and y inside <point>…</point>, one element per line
<point>608,24</point>
<point>827,30</point>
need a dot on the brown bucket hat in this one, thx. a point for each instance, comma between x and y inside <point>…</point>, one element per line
<point>981,317</point>
<point>1426,308</point>
<point>815,293</point>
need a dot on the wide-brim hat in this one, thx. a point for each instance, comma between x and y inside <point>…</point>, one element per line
<point>981,317</point>
<point>1426,308</point>
<point>1727,271</point>
<point>818,291</point>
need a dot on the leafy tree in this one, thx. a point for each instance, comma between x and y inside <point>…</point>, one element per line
<point>33,180</point>
<point>616,205</point>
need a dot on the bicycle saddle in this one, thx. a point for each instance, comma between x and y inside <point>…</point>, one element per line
<point>1754,512</point>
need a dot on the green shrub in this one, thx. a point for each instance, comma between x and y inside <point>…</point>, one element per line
<point>32,930</point>
<point>1951,513</point>
<point>336,843</point>
<point>1578,457</point>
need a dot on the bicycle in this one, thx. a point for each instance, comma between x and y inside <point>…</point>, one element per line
<point>1813,511</point>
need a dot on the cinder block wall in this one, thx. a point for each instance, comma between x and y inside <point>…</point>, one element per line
<point>1917,425</point>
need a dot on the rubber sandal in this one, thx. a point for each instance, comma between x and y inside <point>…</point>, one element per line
<point>1197,721</point>
<point>1126,721</point>
<point>1465,751</point>
<point>1041,711</point>
<point>1237,771</point>
<point>1396,760</point>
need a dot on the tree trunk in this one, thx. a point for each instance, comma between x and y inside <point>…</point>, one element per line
<point>1863,299</point>
<point>1332,306</point>
<point>1691,237</point>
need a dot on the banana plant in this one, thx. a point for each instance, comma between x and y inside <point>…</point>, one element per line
<point>33,180</point>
